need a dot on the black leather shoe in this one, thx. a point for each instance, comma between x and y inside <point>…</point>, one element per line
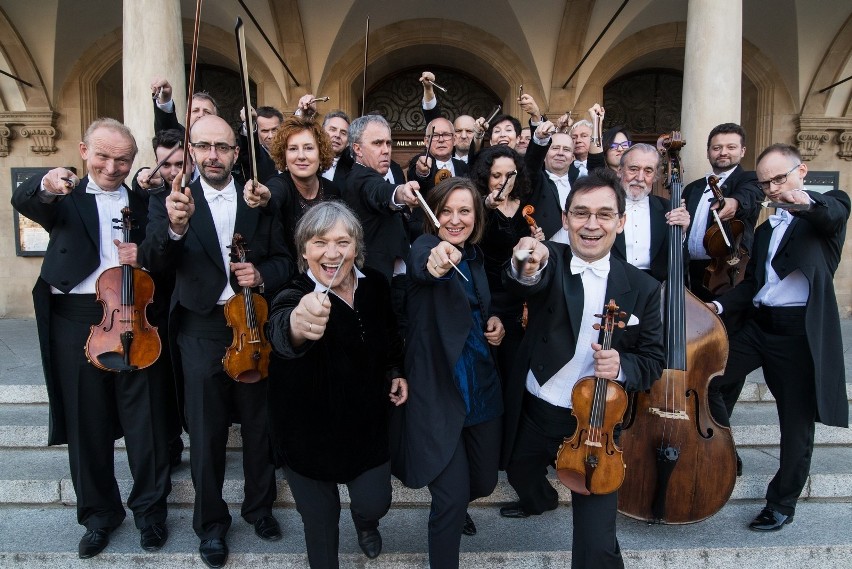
<point>513,511</point>
<point>739,465</point>
<point>769,520</point>
<point>469,528</point>
<point>267,528</point>
<point>214,552</point>
<point>93,542</point>
<point>153,537</point>
<point>370,542</point>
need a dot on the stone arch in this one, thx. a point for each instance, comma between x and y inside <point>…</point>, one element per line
<point>831,67</point>
<point>424,40</point>
<point>21,63</point>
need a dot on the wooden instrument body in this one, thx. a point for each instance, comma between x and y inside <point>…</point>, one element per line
<point>726,269</point>
<point>124,340</point>
<point>590,462</point>
<point>247,358</point>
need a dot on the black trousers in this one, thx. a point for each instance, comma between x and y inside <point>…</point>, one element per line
<point>542,429</point>
<point>98,406</point>
<point>470,474</point>
<point>212,398</point>
<point>775,340</point>
<point>318,502</point>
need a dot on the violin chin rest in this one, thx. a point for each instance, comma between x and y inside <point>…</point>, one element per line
<point>573,480</point>
<point>114,361</point>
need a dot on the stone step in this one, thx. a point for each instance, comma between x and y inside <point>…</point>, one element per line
<point>43,477</point>
<point>815,540</point>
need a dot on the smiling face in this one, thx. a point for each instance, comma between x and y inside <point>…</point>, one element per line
<point>302,155</point>
<point>338,132</point>
<point>504,133</point>
<point>591,239</point>
<point>457,217</point>
<point>500,169</point>
<point>327,252</point>
<point>613,155</point>
<point>560,155</point>
<point>108,155</point>
<point>725,151</point>
<point>523,141</point>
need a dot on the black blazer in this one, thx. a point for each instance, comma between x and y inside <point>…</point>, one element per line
<point>740,185</point>
<point>593,161</point>
<point>265,164</point>
<point>659,245</point>
<point>385,232</point>
<point>545,196</point>
<point>555,306</point>
<point>344,166</point>
<point>73,253</point>
<point>164,120</point>
<point>812,243</point>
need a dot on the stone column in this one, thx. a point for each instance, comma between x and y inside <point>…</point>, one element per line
<point>712,72</point>
<point>152,47</point>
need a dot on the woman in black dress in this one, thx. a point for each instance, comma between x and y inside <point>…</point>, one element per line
<point>337,375</point>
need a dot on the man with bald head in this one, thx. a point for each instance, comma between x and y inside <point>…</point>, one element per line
<point>91,407</point>
<point>191,233</point>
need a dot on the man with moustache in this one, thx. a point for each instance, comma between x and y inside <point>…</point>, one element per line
<point>791,323</point>
<point>725,149</point>
<point>191,233</point>
<point>267,121</point>
<point>564,287</point>
<point>89,407</point>
<point>464,130</point>
<point>380,205</point>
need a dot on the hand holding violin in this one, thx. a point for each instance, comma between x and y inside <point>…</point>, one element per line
<point>607,362</point>
<point>127,253</point>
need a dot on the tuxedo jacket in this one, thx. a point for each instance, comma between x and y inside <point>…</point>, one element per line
<point>73,253</point>
<point>431,114</point>
<point>659,246</point>
<point>555,307</point>
<point>545,196</point>
<point>164,120</point>
<point>265,164</point>
<point>344,166</point>
<point>740,185</point>
<point>417,217</point>
<point>593,161</point>
<point>385,231</point>
<point>812,243</point>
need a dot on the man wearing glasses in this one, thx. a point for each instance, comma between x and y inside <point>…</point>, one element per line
<point>565,286</point>
<point>792,328</point>
<point>191,232</point>
<point>725,149</point>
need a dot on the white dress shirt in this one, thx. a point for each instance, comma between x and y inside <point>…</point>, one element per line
<point>637,233</point>
<point>702,214</point>
<point>563,187</point>
<point>794,289</point>
<point>329,174</point>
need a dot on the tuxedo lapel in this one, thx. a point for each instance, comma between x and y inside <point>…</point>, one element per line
<point>658,226</point>
<point>246,220</point>
<point>87,207</point>
<point>618,288</point>
<point>574,297</point>
<point>202,224</point>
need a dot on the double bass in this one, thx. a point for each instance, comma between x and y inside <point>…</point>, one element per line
<point>723,242</point>
<point>124,340</point>
<point>682,462</point>
<point>247,358</point>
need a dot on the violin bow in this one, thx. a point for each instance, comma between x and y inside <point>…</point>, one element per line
<point>187,176</point>
<point>240,33</point>
<point>364,83</point>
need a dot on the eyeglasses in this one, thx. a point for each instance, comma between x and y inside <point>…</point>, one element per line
<point>442,135</point>
<point>584,215</point>
<point>777,180</point>
<point>221,147</point>
<point>620,145</point>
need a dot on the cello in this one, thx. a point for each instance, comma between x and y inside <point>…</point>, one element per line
<point>723,243</point>
<point>124,340</point>
<point>682,462</point>
<point>247,358</point>
<point>590,462</point>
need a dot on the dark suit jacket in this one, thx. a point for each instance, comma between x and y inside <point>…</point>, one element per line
<point>416,220</point>
<point>813,243</point>
<point>385,233</point>
<point>265,164</point>
<point>430,423</point>
<point>740,185</point>
<point>164,120</point>
<point>659,238</point>
<point>555,306</point>
<point>73,253</point>
<point>593,161</point>
<point>431,114</point>
<point>344,166</point>
<point>545,196</point>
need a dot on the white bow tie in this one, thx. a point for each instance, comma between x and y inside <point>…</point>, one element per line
<point>444,165</point>
<point>579,164</point>
<point>559,179</point>
<point>228,195</point>
<point>599,267</point>
<point>92,188</point>
<point>783,216</point>
<point>637,204</point>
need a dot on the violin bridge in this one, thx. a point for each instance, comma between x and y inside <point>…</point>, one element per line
<point>593,443</point>
<point>680,415</point>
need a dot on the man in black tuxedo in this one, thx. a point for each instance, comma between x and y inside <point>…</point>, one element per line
<point>165,116</point>
<point>725,149</point>
<point>90,407</point>
<point>191,232</point>
<point>792,326</point>
<point>336,125</point>
<point>380,205</point>
<point>564,287</point>
<point>267,121</point>
<point>644,243</point>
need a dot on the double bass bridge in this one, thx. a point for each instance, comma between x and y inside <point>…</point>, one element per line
<point>678,415</point>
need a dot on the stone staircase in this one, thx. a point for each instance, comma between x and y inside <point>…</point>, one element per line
<point>38,521</point>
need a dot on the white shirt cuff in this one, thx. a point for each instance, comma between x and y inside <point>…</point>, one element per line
<point>525,280</point>
<point>429,105</point>
<point>167,107</point>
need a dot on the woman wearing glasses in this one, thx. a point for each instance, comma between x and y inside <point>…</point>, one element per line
<point>615,142</point>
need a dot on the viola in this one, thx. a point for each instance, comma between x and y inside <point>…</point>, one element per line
<point>247,358</point>
<point>723,243</point>
<point>682,462</point>
<point>590,462</point>
<point>124,340</point>
<point>527,213</point>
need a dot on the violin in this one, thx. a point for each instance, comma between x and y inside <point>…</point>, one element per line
<point>247,358</point>
<point>527,213</point>
<point>682,462</point>
<point>124,340</point>
<point>590,462</point>
<point>723,243</point>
